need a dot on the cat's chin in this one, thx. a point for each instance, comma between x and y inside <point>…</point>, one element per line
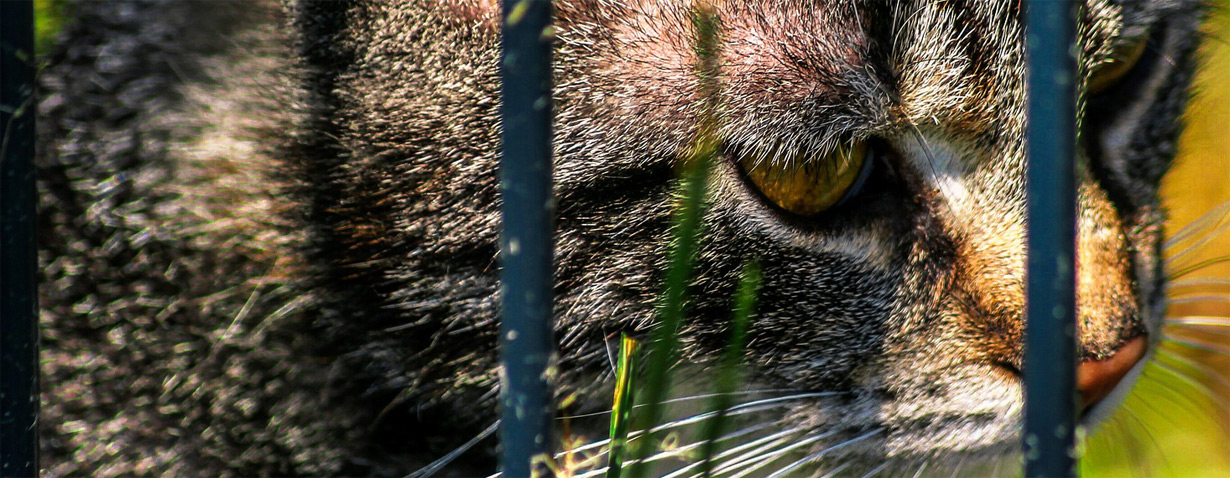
<point>988,434</point>
<point>967,421</point>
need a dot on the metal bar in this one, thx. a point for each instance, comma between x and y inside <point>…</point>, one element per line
<point>526,335</point>
<point>19,398</point>
<point>1050,347</point>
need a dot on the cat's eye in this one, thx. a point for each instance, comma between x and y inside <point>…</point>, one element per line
<point>809,183</point>
<point>1122,59</point>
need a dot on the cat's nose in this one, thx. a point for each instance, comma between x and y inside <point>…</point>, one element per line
<point>1096,378</point>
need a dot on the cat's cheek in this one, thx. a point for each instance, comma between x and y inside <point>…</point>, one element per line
<point>976,408</point>
<point>1145,234</point>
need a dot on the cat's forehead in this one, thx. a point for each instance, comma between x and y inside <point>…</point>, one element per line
<point>828,69</point>
<point>839,27</point>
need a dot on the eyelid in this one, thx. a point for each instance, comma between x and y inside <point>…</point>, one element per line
<point>1122,60</point>
<point>806,184</point>
<point>863,174</point>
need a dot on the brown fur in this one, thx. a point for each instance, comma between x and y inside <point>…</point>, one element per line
<point>299,274</point>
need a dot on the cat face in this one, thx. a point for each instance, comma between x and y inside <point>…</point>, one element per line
<point>898,309</point>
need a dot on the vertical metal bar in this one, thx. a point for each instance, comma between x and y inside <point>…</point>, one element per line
<point>1050,347</point>
<point>19,398</point>
<point>526,247</point>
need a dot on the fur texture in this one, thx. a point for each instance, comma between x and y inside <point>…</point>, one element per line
<point>269,233</point>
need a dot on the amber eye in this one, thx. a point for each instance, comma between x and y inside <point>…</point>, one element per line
<point>807,184</point>
<point>1107,73</point>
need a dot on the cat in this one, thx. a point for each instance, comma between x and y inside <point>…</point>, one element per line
<point>268,232</point>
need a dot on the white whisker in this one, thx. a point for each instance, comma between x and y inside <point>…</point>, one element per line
<point>835,471</point>
<point>1198,244</point>
<point>877,469</point>
<point>1199,299</point>
<point>1193,382</point>
<point>1205,264</point>
<point>812,457</point>
<point>443,461</point>
<point>593,473</point>
<point>1215,329</point>
<point>1217,377</point>
<point>1205,221</point>
<point>756,454</point>
<point>762,461</point>
<point>1198,320</point>
<point>776,438</point>
<point>957,469</point>
<point>1179,398</point>
<point>1199,345</point>
<point>682,449</point>
<point>685,399</point>
<point>1199,281</point>
<point>741,409</point>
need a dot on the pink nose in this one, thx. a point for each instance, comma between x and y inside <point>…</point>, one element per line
<point>1096,378</point>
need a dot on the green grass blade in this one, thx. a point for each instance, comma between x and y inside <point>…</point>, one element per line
<point>728,371</point>
<point>687,229</point>
<point>621,411</point>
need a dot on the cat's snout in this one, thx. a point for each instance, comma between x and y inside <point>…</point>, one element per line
<point>1095,379</point>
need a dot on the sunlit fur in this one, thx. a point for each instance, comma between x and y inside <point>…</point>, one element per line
<point>269,233</point>
<point>1181,399</point>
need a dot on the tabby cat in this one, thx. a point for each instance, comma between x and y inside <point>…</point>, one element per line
<point>269,231</point>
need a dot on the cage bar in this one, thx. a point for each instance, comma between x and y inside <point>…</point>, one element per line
<point>526,336</point>
<point>19,400</point>
<point>1050,331</point>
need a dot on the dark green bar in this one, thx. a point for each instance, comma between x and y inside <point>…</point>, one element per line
<point>526,248</point>
<point>18,259</point>
<point>1050,346</point>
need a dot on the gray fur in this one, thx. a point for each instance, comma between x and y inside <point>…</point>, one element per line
<point>269,233</point>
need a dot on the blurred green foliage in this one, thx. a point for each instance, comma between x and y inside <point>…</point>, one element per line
<point>48,19</point>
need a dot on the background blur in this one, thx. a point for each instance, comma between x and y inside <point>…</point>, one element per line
<point>1177,421</point>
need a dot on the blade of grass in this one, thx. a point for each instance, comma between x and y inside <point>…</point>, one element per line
<point>728,373</point>
<point>687,228</point>
<point>621,411</point>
